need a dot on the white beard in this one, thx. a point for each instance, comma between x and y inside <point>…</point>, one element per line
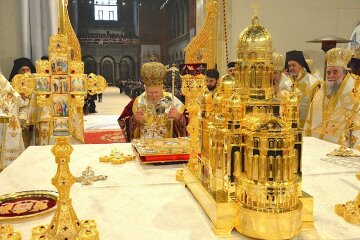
<point>332,87</point>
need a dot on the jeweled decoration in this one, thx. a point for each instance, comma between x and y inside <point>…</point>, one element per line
<point>7,232</point>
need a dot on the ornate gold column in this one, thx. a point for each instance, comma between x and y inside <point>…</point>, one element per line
<point>192,87</point>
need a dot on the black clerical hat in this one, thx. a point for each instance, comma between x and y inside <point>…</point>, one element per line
<point>231,64</point>
<point>296,56</point>
<point>19,63</point>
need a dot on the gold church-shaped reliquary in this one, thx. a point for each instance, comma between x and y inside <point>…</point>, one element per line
<point>248,172</point>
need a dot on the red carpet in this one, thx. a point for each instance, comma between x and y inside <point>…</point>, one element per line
<point>104,136</point>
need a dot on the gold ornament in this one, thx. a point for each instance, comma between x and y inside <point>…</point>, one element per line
<point>24,83</point>
<point>225,31</point>
<point>66,28</point>
<point>43,99</point>
<point>343,151</point>
<point>338,57</point>
<point>278,61</point>
<point>254,53</point>
<point>192,87</point>
<point>245,164</point>
<point>7,233</point>
<point>254,43</point>
<point>78,99</point>
<point>43,67</point>
<point>95,84</point>
<point>58,46</point>
<point>116,157</point>
<point>88,177</point>
<point>65,224</point>
<point>350,211</point>
<point>202,48</point>
<point>153,74</point>
<point>76,67</point>
<point>355,94</point>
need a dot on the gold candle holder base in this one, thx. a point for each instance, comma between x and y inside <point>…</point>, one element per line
<point>65,224</point>
<point>350,211</point>
<point>342,151</point>
<point>87,231</point>
<point>7,233</point>
<point>266,225</point>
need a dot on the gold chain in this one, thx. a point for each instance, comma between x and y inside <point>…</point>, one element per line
<point>225,30</point>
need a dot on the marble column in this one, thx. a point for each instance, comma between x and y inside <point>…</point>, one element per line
<point>25,28</point>
<point>98,68</point>
<point>117,72</point>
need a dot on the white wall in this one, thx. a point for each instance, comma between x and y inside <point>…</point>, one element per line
<point>10,44</point>
<point>293,22</point>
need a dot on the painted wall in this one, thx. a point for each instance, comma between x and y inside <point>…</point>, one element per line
<point>10,44</point>
<point>292,23</point>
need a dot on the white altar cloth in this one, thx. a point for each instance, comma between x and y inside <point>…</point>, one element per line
<point>146,202</point>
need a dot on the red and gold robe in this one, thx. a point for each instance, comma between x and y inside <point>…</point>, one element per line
<point>154,125</point>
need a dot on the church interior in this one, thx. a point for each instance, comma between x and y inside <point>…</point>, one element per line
<point>179,119</point>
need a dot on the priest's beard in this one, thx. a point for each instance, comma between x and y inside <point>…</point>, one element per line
<point>211,88</point>
<point>332,87</point>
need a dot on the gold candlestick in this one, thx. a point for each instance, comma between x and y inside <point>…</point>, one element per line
<point>192,88</point>
<point>65,224</point>
<point>350,211</point>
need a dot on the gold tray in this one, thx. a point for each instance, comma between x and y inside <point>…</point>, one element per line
<point>27,204</point>
<point>164,146</point>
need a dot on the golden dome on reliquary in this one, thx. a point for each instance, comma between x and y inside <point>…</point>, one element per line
<point>254,43</point>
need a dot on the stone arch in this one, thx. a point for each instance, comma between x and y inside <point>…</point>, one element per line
<point>107,64</point>
<point>127,67</point>
<point>89,64</point>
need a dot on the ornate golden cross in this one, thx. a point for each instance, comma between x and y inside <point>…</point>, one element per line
<point>256,7</point>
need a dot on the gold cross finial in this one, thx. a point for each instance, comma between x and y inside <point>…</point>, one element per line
<point>153,58</point>
<point>173,68</point>
<point>255,6</point>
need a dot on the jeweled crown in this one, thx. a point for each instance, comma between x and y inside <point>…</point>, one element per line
<point>338,57</point>
<point>153,74</point>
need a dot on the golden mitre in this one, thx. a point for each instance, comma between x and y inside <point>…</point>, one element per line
<point>338,57</point>
<point>278,61</point>
<point>153,74</point>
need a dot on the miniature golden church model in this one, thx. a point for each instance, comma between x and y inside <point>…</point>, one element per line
<point>248,172</point>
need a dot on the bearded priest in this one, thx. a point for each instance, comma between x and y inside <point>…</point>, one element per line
<point>333,111</point>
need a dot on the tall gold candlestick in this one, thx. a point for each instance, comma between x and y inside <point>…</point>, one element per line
<point>192,88</point>
<point>65,224</point>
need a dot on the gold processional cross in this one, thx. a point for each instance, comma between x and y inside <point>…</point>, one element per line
<point>58,88</point>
